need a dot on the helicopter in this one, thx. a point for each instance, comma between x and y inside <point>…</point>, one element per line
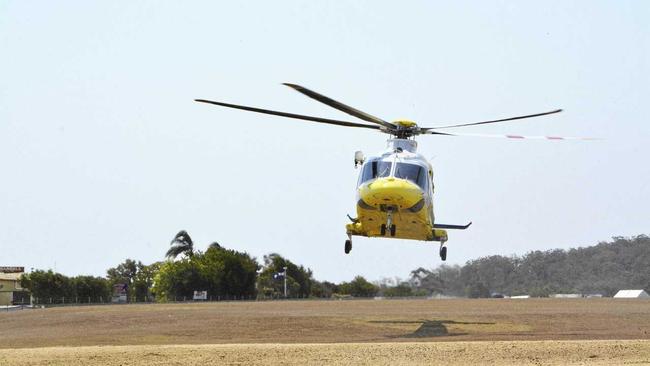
<point>395,189</point>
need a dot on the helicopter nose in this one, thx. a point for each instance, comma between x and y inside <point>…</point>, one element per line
<point>391,191</point>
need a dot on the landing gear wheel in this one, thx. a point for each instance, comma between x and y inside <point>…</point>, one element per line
<point>392,230</point>
<point>443,253</point>
<point>382,229</point>
<point>348,246</point>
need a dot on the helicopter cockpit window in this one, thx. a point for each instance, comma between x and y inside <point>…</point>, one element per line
<point>412,172</point>
<point>375,169</point>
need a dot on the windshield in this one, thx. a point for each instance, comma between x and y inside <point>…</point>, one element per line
<point>375,169</point>
<point>412,172</point>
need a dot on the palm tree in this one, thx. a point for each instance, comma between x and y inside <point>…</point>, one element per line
<point>181,244</point>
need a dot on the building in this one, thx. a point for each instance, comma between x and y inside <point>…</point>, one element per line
<point>566,296</point>
<point>11,293</point>
<point>631,294</point>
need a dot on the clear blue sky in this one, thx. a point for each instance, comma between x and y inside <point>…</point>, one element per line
<point>105,156</point>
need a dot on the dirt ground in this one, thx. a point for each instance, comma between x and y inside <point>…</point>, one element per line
<point>419,353</point>
<point>358,331</point>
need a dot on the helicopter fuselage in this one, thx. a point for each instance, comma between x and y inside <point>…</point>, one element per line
<point>395,196</point>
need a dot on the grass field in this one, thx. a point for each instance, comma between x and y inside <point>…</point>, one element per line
<point>495,331</point>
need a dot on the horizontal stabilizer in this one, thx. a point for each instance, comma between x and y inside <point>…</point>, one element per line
<point>445,226</point>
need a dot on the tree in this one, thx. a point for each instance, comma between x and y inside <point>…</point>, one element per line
<point>476,290</point>
<point>403,289</point>
<point>144,280</point>
<point>601,269</point>
<point>444,279</point>
<point>358,287</point>
<point>234,273</point>
<point>323,289</point>
<point>299,278</point>
<point>91,289</point>
<point>125,273</point>
<point>178,280</point>
<point>224,273</point>
<point>47,286</point>
<point>485,275</point>
<point>181,244</point>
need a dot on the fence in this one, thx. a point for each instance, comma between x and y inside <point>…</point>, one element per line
<point>64,301</point>
<point>81,301</point>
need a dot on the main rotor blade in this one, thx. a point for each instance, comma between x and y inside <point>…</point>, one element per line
<point>554,138</point>
<point>496,120</point>
<point>289,115</point>
<point>340,106</point>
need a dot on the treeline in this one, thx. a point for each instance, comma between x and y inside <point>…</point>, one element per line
<point>225,274</point>
<point>230,274</point>
<point>49,286</point>
<point>623,263</point>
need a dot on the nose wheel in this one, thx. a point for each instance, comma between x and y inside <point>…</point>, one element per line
<point>383,229</point>
<point>389,226</point>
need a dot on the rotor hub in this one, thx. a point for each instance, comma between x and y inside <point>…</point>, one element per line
<point>405,123</point>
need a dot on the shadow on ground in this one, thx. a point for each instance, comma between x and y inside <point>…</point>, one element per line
<point>428,328</point>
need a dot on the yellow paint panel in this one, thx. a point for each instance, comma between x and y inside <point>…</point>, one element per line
<point>415,226</point>
<point>405,123</point>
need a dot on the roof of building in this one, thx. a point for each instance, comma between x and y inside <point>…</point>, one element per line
<point>631,294</point>
<point>566,296</point>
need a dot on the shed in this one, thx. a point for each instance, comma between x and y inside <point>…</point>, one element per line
<point>566,296</point>
<point>631,294</point>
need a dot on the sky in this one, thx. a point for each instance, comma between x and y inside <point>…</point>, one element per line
<point>105,156</point>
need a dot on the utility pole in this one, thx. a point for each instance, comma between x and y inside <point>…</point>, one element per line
<point>285,281</point>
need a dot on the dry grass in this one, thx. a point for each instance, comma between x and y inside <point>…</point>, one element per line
<point>374,331</point>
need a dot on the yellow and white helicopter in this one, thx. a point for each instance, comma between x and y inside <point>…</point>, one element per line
<point>395,189</point>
